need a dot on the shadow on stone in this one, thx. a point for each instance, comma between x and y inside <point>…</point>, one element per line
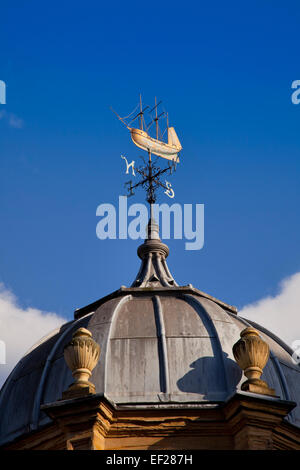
<point>206,376</point>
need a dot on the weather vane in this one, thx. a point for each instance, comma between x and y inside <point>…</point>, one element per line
<point>149,175</point>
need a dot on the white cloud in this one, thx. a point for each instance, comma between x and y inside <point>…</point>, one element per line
<point>279,314</point>
<point>20,329</point>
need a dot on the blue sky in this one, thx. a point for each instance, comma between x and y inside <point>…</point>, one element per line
<point>224,72</point>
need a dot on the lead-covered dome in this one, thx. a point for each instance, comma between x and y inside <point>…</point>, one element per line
<point>161,345</point>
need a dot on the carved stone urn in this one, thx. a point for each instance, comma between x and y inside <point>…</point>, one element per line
<point>81,355</point>
<point>252,353</point>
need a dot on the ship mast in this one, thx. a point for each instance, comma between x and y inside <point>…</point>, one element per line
<point>157,116</point>
<point>156,120</point>
<point>141,112</point>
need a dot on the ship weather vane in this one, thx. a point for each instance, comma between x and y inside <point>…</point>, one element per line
<point>149,174</point>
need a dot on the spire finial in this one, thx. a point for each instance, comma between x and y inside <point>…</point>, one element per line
<point>154,271</point>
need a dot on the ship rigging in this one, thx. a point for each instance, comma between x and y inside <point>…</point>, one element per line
<point>141,138</point>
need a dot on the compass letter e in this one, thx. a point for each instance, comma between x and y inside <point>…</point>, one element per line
<point>128,165</point>
<point>169,192</point>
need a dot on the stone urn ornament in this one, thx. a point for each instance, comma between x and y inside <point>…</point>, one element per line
<point>251,353</point>
<point>81,355</point>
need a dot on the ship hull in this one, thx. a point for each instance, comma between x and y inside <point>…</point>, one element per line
<point>142,140</point>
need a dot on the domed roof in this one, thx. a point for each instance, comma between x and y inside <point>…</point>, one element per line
<point>161,345</point>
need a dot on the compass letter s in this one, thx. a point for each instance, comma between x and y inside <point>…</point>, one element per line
<point>169,192</point>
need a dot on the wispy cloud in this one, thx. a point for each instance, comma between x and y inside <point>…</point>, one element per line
<point>15,121</point>
<point>21,328</point>
<point>11,119</point>
<point>280,313</point>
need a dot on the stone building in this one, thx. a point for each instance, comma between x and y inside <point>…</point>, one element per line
<point>169,375</point>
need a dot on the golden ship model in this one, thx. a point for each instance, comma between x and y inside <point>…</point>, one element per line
<point>141,138</point>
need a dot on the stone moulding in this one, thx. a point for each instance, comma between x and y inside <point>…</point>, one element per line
<point>245,421</point>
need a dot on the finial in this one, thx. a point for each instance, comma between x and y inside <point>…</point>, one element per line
<point>81,355</point>
<point>251,353</point>
<point>152,229</point>
<point>154,271</point>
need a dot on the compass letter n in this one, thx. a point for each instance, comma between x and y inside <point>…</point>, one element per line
<point>128,165</point>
